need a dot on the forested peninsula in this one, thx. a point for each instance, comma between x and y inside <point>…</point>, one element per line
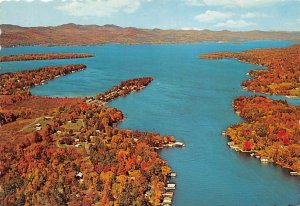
<point>70,151</point>
<point>271,131</point>
<point>282,72</point>
<point>43,56</point>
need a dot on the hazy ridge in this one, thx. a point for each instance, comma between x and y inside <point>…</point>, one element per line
<point>74,34</point>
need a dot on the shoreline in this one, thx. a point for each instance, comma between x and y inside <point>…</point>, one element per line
<point>53,132</point>
<point>43,56</point>
<point>236,143</point>
<point>255,154</point>
<point>154,43</point>
<point>269,80</point>
<point>244,136</point>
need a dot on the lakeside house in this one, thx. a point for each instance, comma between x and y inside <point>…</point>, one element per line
<point>172,174</point>
<point>167,200</point>
<point>171,186</point>
<point>168,194</point>
<point>264,160</point>
<point>295,173</point>
<point>79,175</point>
<point>235,147</point>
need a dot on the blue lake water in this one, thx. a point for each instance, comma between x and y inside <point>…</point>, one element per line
<point>190,98</point>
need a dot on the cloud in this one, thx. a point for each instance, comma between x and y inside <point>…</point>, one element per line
<point>228,20</point>
<point>233,3</point>
<point>250,15</point>
<point>235,24</point>
<point>191,28</point>
<point>212,16</point>
<point>100,8</point>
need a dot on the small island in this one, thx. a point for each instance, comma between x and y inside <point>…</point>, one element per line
<point>27,57</point>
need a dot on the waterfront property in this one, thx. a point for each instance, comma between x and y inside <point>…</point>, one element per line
<point>170,186</point>
<point>167,200</point>
<point>168,194</point>
<point>264,160</point>
<point>181,98</point>
<point>295,173</point>
<point>173,174</point>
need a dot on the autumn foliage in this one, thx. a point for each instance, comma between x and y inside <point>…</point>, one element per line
<point>271,130</point>
<point>26,57</point>
<point>282,72</point>
<point>79,156</point>
<point>20,82</point>
<point>75,34</point>
<point>124,88</point>
<point>117,166</point>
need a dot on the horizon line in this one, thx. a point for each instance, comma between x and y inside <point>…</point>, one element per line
<point>175,29</point>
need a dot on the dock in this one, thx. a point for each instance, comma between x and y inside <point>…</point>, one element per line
<point>172,174</point>
<point>167,200</point>
<point>169,191</point>
<point>264,160</point>
<point>168,194</point>
<point>175,144</point>
<point>295,173</point>
<point>170,186</point>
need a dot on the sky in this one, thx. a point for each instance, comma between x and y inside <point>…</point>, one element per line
<point>235,15</point>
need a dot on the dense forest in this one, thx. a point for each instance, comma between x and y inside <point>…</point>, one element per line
<point>26,57</point>
<point>124,88</point>
<point>271,130</point>
<point>282,72</point>
<point>20,82</point>
<point>70,151</point>
<point>96,163</point>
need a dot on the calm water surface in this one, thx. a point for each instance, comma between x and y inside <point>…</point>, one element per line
<point>189,98</point>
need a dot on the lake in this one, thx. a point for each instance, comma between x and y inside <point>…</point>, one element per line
<point>189,98</point>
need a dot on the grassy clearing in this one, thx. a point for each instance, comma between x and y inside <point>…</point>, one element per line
<point>32,126</point>
<point>74,126</point>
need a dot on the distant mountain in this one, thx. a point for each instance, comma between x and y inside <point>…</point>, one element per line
<point>75,34</point>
